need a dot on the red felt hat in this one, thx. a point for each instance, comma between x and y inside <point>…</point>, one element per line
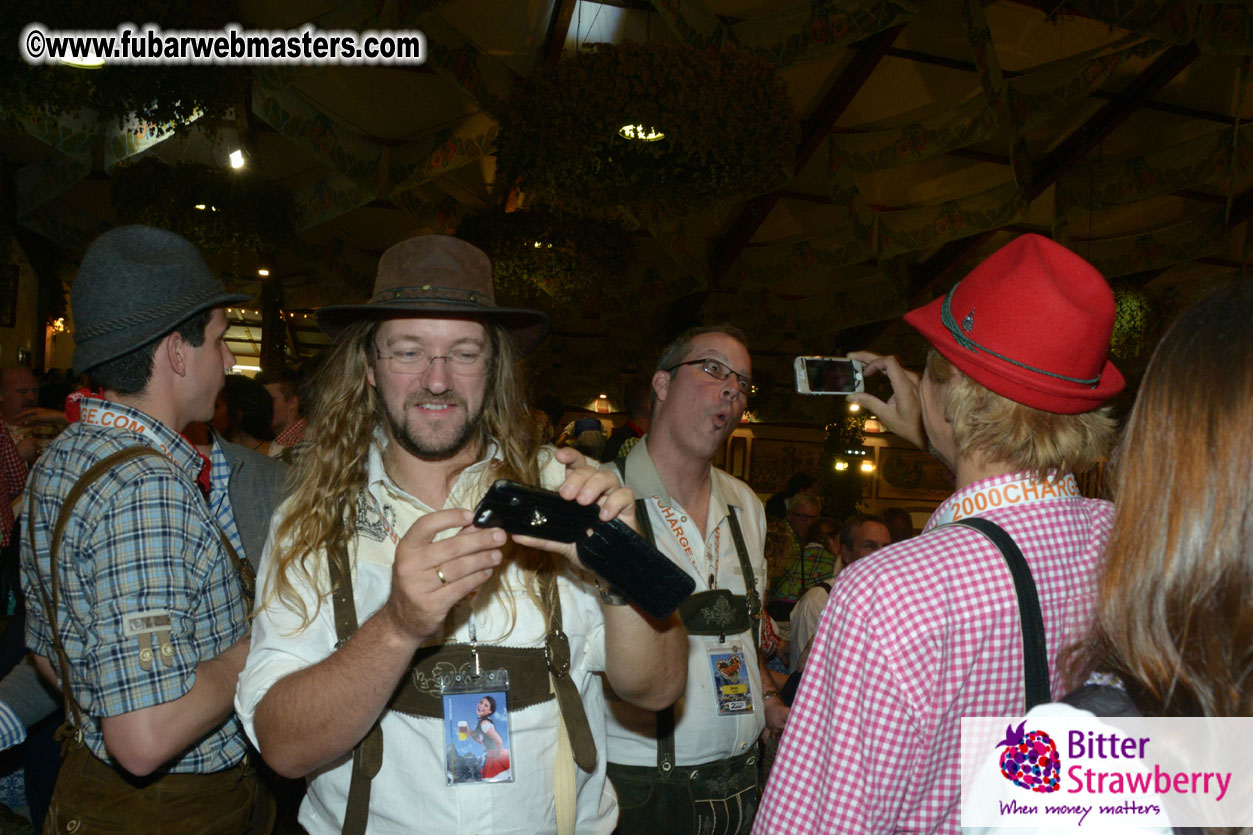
<point>1031,323</point>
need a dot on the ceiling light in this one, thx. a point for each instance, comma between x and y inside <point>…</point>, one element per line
<point>853,407</point>
<point>200,207</point>
<point>640,133</point>
<point>263,272</point>
<point>867,466</point>
<point>841,465</point>
<point>237,158</point>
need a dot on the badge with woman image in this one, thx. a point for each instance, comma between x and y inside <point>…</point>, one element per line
<point>476,729</point>
<point>731,687</point>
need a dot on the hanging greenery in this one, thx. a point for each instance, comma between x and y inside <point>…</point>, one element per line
<point>1131,323</point>
<point>217,209</point>
<point>165,97</point>
<point>648,126</point>
<point>543,255</point>
<point>841,489</point>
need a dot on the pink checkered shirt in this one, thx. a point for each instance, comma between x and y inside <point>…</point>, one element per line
<point>914,637</point>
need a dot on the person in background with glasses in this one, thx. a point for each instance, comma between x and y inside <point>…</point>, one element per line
<point>375,582</point>
<point>693,767</point>
<point>799,568</point>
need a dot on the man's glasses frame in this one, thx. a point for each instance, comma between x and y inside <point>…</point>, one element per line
<point>416,362</point>
<point>720,371</point>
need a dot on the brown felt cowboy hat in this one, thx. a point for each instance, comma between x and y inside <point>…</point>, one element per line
<point>1031,323</point>
<point>437,275</point>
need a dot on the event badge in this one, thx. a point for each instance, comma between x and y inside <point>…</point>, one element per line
<point>476,727</point>
<point>731,686</point>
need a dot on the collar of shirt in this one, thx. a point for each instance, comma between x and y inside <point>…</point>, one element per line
<point>293,434</point>
<point>380,484</point>
<point>117,417</point>
<point>977,498</point>
<point>643,473</point>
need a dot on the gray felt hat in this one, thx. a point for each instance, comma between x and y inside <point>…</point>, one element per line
<point>135,285</point>
<point>437,275</point>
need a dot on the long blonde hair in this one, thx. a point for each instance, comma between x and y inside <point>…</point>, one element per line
<point>330,475</point>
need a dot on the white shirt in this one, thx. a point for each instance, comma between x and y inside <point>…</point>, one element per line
<point>409,794</point>
<point>805,616</point>
<point>700,734</point>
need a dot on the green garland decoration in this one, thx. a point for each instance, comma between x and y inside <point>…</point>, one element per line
<point>242,211</point>
<point>165,96</point>
<point>1132,319</point>
<point>728,122</point>
<point>841,490</point>
<point>575,257</point>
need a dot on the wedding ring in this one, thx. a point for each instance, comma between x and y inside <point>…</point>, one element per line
<point>439,572</point>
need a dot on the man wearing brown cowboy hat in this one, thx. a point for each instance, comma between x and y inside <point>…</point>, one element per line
<point>135,594</point>
<point>383,610</point>
<point>962,621</point>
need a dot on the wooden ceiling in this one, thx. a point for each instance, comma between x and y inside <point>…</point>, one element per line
<point>1116,127</point>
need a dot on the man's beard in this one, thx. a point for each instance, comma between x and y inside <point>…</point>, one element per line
<point>433,449</point>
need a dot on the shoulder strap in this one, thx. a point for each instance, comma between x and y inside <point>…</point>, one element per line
<point>1034,651</point>
<point>51,599</point>
<point>641,508</point>
<point>367,757</point>
<point>825,586</point>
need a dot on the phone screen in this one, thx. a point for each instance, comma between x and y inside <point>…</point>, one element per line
<point>830,375</point>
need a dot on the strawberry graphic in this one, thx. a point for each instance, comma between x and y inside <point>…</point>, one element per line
<point>1030,760</point>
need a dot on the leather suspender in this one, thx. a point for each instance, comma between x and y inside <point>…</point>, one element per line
<point>530,669</point>
<point>51,599</point>
<point>1034,651</point>
<point>752,602</point>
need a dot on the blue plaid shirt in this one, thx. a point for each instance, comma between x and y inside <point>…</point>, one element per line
<point>220,497</point>
<point>141,539</point>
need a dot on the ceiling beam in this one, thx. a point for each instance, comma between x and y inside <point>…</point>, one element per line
<point>815,131</point>
<point>1061,159</point>
<point>1105,95</point>
<point>558,30</point>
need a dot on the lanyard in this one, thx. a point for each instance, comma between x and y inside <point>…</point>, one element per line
<point>1018,493</point>
<point>674,524</point>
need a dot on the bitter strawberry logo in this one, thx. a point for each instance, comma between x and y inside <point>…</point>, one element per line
<point>1030,760</point>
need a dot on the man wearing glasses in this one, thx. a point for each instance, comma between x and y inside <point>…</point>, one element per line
<point>693,767</point>
<point>382,604</point>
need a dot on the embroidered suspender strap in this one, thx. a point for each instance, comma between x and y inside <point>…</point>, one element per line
<point>247,577</point>
<point>557,654</point>
<point>750,581</point>
<point>1034,650</point>
<point>50,601</point>
<point>420,694</point>
<point>696,608</point>
<point>367,757</point>
<point>704,608</point>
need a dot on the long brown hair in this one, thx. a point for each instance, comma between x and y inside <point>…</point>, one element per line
<point>1174,617</point>
<point>331,474</point>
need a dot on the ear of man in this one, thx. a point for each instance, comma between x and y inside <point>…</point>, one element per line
<point>174,349</point>
<point>661,384</point>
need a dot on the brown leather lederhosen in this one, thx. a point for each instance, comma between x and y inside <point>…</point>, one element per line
<point>91,795</point>
<point>534,675</point>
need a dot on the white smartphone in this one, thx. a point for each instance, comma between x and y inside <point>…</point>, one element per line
<point>828,375</point>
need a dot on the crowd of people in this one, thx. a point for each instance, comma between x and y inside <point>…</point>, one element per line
<point>235,588</point>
